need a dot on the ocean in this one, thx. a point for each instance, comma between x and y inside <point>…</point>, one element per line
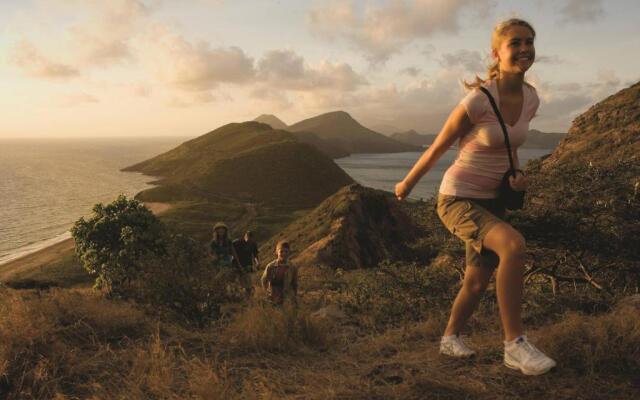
<point>47,184</point>
<point>383,171</point>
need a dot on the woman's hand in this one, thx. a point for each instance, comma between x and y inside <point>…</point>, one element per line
<point>519,183</point>
<point>402,190</point>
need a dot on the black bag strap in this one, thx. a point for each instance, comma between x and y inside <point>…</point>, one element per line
<point>504,128</point>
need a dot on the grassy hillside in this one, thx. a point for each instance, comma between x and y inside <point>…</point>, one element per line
<point>197,155</point>
<point>248,162</point>
<point>345,132</point>
<point>371,333</point>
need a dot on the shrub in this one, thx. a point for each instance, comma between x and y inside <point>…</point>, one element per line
<point>394,293</point>
<point>182,280</point>
<point>111,243</point>
<point>135,256</point>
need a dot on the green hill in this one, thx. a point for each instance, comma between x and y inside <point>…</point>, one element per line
<point>246,162</point>
<point>197,155</point>
<point>345,132</point>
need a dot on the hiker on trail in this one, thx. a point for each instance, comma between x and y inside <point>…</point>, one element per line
<point>467,202</point>
<point>280,279</point>
<point>247,251</point>
<point>220,247</point>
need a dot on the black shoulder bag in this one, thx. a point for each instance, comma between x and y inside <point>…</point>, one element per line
<point>510,198</point>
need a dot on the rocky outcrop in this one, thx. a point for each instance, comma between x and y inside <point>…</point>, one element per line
<point>357,227</point>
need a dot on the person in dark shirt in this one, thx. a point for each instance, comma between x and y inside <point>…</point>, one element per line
<point>247,251</point>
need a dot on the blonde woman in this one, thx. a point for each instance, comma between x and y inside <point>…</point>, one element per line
<point>467,203</point>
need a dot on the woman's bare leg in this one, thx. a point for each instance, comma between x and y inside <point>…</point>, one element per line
<point>475,282</point>
<point>510,247</point>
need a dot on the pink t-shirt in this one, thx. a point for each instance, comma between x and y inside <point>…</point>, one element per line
<point>482,156</point>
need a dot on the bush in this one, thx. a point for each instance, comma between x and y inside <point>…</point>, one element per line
<point>111,243</point>
<point>183,280</point>
<point>135,256</point>
<point>395,293</point>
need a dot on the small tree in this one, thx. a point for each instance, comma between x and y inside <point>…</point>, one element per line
<point>113,241</point>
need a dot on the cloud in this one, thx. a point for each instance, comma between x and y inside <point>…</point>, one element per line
<point>470,60</point>
<point>193,99</point>
<point>582,11</point>
<point>380,31</point>
<point>552,60</point>
<point>411,71</point>
<point>104,29</point>
<point>284,69</point>
<point>423,104</point>
<point>561,103</point>
<point>78,99</point>
<point>141,90</point>
<point>269,98</point>
<point>33,63</point>
<point>194,67</point>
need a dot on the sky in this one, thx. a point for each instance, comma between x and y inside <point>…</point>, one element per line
<point>80,68</point>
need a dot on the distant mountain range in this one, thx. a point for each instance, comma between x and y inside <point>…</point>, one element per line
<point>338,134</point>
<point>535,139</point>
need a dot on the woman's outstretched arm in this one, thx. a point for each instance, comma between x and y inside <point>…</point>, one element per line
<point>457,125</point>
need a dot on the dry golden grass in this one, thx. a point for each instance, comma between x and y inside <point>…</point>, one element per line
<point>69,344</point>
<point>263,327</point>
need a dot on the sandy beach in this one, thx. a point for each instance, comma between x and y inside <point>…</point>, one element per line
<point>54,252</point>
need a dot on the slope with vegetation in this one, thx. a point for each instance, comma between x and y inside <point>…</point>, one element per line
<point>372,332</point>
<point>246,173</point>
<point>357,227</point>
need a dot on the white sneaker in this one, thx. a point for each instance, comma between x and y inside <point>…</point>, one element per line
<point>454,346</point>
<point>521,354</point>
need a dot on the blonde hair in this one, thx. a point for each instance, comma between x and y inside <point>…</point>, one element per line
<point>493,71</point>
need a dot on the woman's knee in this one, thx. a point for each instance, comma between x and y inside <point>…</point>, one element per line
<point>476,281</point>
<point>475,287</point>
<point>505,241</point>
<point>515,245</point>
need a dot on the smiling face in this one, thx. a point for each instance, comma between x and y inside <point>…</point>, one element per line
<point>282,253</point>
<point>515,51</point>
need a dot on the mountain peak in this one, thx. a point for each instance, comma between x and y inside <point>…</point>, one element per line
<point>271,120</point>
<point>338,116</point>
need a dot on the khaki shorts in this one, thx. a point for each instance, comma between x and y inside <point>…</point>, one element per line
<point>470,220</point>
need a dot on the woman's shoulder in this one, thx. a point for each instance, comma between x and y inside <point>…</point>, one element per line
<point>476,103</point>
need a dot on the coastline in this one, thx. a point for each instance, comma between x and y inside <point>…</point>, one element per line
<point>54,252</point>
